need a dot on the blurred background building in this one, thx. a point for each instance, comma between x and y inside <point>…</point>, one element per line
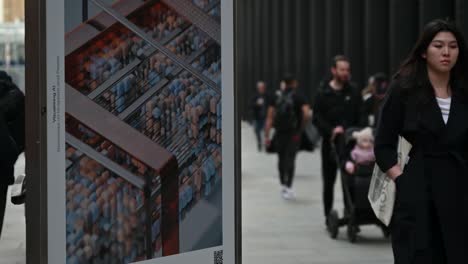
<point>11,11</point>
<point>12,54</point>
<point>301,37</point>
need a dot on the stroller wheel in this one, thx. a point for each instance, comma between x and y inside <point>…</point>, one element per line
<point>333,224</point>
<point>352,233</point>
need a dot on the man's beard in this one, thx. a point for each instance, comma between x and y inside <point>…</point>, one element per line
<point>342,80</point>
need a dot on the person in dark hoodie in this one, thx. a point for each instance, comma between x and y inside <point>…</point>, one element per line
<point>12,126</point>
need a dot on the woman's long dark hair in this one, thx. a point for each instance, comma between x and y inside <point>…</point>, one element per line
<point>412,74</point>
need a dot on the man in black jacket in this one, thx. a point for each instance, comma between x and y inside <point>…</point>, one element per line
<point>12,124</point>
<point>338,106</point>
<point>259,107</point>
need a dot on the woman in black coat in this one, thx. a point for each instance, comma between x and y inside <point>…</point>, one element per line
<point>427,104</point>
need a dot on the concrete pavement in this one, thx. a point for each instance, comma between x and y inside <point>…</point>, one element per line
<point>13,240</point>
<point>293,232</point>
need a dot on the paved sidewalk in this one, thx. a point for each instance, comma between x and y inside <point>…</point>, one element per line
<point>13,240</point>
<point>280,232</point>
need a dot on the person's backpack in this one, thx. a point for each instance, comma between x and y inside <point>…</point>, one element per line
<point>286,119</point>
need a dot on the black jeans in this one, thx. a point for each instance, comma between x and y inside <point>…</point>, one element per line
<point>329,171</point>
<point>287,150</point>
<point>3,200</point>
<point>259,124</point>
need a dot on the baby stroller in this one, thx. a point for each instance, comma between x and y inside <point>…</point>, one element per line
<point>357,210</point>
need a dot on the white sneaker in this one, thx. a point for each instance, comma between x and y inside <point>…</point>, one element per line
<point>288,194</point>
<point>283,190</point>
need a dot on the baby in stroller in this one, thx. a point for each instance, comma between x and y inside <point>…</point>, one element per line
<point>355,154</point>
<point>362,156</point>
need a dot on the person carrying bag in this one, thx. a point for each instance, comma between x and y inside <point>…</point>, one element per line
<point>382,189</point>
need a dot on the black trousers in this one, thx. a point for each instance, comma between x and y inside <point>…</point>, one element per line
<point>287,150</point>
<point>259,124</point>
<point>3,200</point>
<point>329,172</point>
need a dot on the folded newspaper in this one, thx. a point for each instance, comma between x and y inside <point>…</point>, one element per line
<point>382,189</point>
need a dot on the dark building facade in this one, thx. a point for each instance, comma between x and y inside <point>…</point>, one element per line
<point>301,36</point>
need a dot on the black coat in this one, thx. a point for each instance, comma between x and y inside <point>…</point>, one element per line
<point>259,106</point>
<point>436,172</point>
<point>12,127</point>
<point>332,109</point>
<point>13,106</point>
<point>8,153</point>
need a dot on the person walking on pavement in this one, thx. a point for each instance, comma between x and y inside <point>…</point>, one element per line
<point>11,135</point>
<point>259,106</point>
<point>427,104</point>
<point>373,96</point>
<point>338,106</point>
<point>288,115</point>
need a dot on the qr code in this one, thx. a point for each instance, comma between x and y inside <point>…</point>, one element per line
<point>218,257</point>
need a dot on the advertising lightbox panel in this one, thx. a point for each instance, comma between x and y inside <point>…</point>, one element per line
<point>140,131</point>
